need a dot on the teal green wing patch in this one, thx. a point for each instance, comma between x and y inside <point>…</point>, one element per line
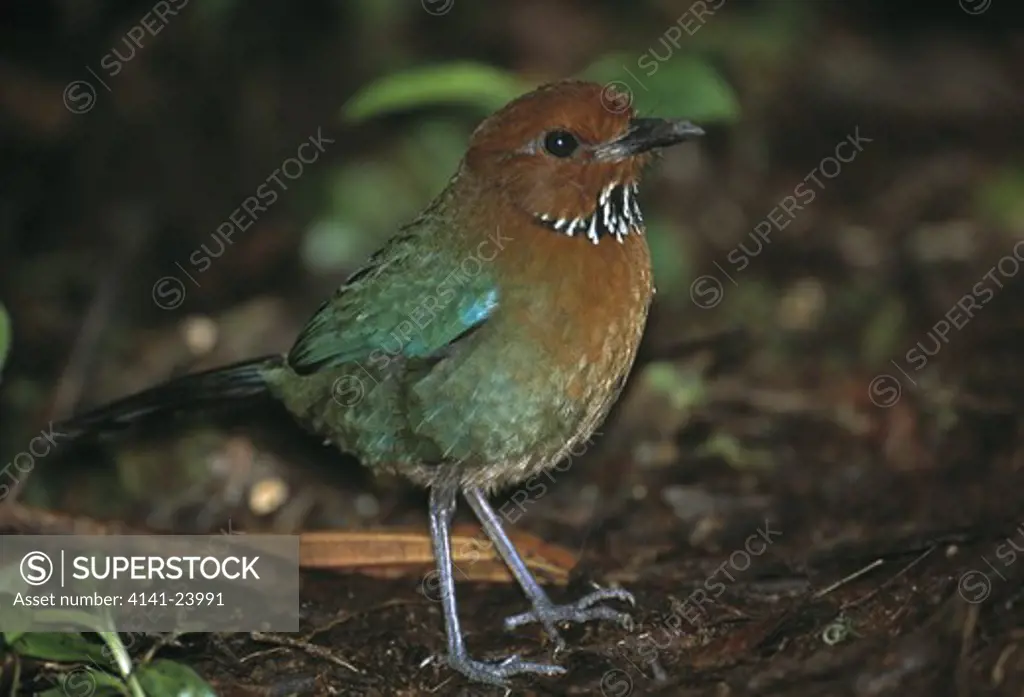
<point>410,300</point>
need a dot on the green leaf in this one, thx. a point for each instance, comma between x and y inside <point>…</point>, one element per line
<point>118,652</point>
<point>883,331</point>
<point>764,37</point>
<point>94,683</point>
<point>68,616</point>
<point>61,648</point>
<point>165,678</point>
<point>471,84</point>
<point>999,200</point>
<point>684,389</point>
<point>375,196</point>
<point>685,87</point>
<point>732,450</point>
<point>5,335</point>
<point>11,637</point>
<point>671,259</point>
<point>216,13</point>
<point>11,581</point>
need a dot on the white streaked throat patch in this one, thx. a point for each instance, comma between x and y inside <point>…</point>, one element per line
<point>616,212</point>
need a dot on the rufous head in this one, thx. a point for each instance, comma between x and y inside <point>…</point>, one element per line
<point>569,155</point>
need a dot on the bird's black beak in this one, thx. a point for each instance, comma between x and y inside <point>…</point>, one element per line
<point>647,134</point>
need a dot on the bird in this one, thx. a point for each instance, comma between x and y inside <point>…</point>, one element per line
<point>484,340</point>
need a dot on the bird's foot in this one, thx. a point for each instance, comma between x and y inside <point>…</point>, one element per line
<point>583,610</point>
<point>497,672</point>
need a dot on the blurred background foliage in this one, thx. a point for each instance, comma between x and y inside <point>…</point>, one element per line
<point>96,207</point>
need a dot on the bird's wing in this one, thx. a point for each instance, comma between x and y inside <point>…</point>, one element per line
<point>410,300</point>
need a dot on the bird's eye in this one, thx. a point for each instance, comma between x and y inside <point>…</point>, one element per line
<point>560,143</point>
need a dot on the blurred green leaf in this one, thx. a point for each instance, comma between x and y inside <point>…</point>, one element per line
<point>216,12</point>
<point>118,652</point>
<point>685,86</point>
<point>5,335</point>
<point>367,193</point>
<point>61,648</point>
<point>671,260</point>
<point>372,17</point>
<point>1000,199</point>
<point>365,198</point>
<point>331,244</point>
<point>471,84</point>
<point>93,683</point>
<point>764,35</point>
<point>164,678</point>
<point>12,582</point>
<point>883,331</point>
<point>732,450</point>
<point>431,153</point>
<point>370,199</point>
<point>64,616</point>
<point>683,388</point>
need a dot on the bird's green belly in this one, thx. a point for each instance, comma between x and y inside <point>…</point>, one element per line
<point>488,422</point>
<point>500,420</point>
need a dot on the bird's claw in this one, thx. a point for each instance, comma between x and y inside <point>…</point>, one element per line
<point>497,672</point>
<point>583,610</point>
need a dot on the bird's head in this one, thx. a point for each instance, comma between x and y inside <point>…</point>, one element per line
<point>569,155</point>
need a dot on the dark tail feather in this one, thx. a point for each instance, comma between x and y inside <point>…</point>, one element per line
<point>239,381</point>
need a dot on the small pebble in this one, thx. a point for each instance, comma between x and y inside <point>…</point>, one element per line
<point>367,506</point>
<point>267,495</point>
<point>200,334</point>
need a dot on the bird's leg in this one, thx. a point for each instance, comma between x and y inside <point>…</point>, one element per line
<point>442,509</point>
<point>544,611</point>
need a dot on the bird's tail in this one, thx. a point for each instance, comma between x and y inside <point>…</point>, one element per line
<point>239,381</point>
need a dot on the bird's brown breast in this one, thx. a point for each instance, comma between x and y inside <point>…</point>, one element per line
<point>585,305</point>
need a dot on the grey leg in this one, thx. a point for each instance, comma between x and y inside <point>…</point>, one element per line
<point>442,509</point>
<point>544,611</point>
